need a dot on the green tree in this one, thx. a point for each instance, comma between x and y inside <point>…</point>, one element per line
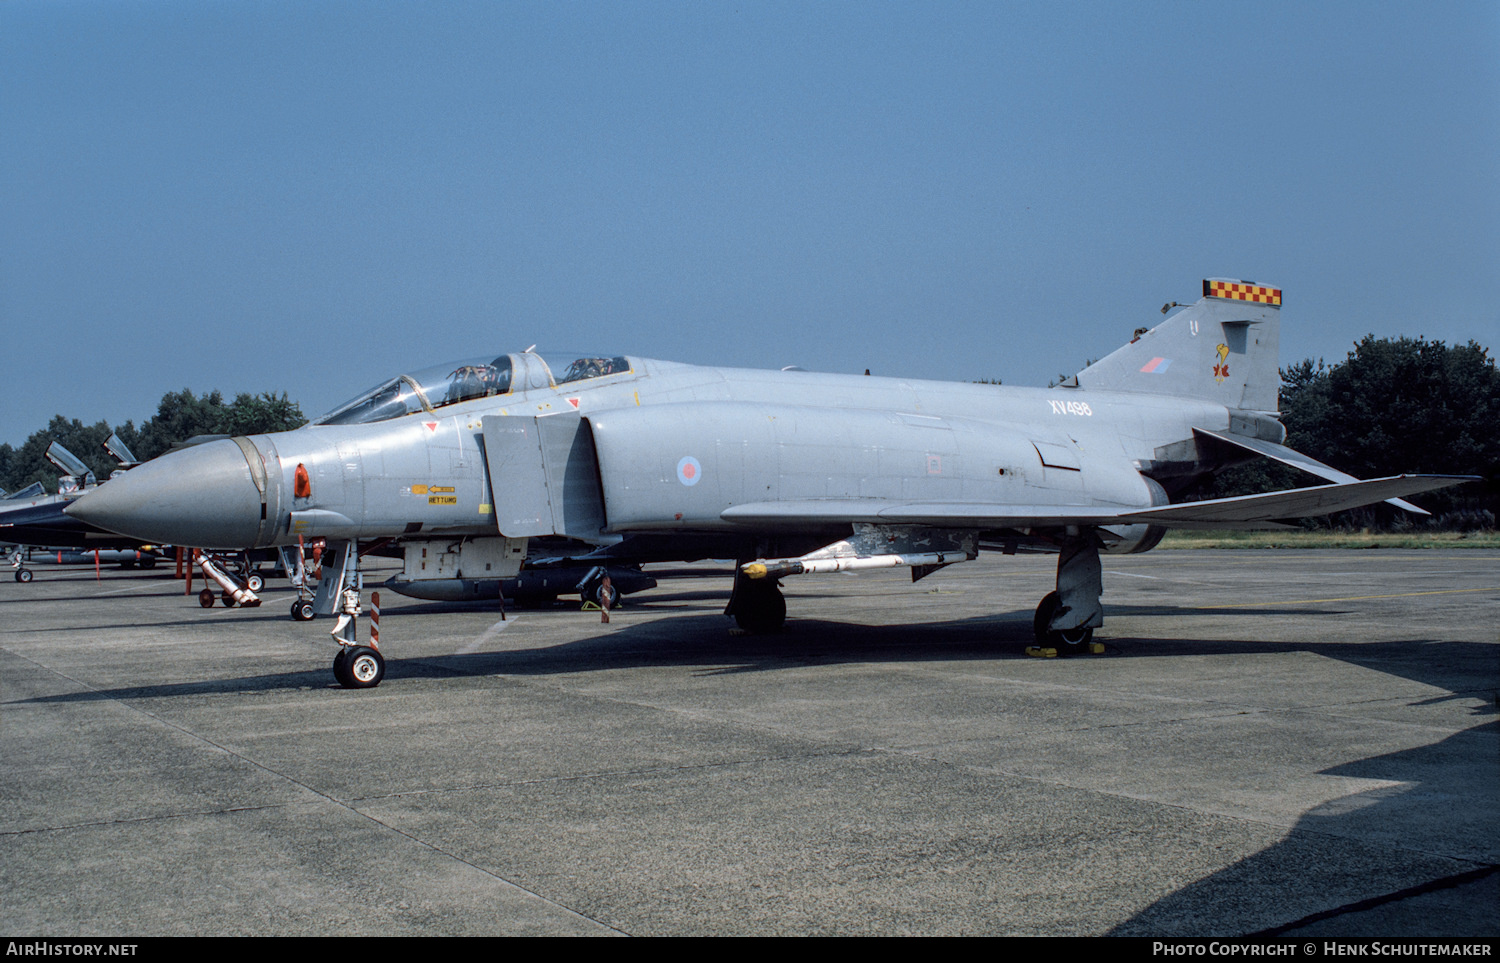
<point>183,415</point>
<point>262,413</point>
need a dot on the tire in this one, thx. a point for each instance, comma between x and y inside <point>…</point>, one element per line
<point>148,562</point>
<point>1071,641</point>
<point>1045,609</point>
<point>365,668</point>
<point>227,599</point>
<point>302,610</point>
<point>1067,641</point>
<point>254,582</point>
<point>24,575</point>
<point>206,598</point>
<point>341,668</point>
<point>761,611</point>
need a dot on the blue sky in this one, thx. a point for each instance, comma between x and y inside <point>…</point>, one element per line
<point>309,196</point>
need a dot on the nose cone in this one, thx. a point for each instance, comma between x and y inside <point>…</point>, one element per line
<point>203,497</point>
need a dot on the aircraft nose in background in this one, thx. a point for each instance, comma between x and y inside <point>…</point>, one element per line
<point>203,497</point>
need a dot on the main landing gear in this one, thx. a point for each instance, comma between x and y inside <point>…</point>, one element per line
<point>757,604</point>
<point>1065,620</point>
<point>1074,641</point>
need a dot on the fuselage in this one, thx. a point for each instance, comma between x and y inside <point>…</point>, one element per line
<point>677,445</point>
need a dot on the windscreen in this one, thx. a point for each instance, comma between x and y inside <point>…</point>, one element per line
<point>425,390</point>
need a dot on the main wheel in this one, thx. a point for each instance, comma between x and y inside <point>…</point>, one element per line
<point>760,610</point>
<point>365,668</point>
<point>302,610</point>
<point>254,582</point>
<point>206,598</point>
<point>23,575</point>
<point>1071,641</point>
<point>1066,641</point>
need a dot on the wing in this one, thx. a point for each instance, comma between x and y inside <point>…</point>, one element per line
<point>1242,511</point>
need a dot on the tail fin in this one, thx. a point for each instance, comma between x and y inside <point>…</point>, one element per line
<point>1222,349</point>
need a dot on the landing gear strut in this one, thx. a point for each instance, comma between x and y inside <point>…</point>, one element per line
<point>355,666</point>
<point>757,604</point>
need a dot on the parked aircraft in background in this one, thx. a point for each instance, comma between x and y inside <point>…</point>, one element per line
<point>33,519</point>
<point>468,468</point>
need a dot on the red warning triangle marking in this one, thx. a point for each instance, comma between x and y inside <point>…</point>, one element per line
<point>573,402</point>
<point>431,425</point>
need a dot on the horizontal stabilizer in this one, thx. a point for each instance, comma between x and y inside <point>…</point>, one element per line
<point>1296,503</point>
<point>1289,456</point>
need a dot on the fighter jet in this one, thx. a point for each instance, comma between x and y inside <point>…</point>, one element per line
<point>464,466</point>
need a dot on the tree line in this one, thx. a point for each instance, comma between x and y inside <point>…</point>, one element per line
<point>180,416</point>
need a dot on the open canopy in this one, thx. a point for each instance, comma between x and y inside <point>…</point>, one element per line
<point>448,384</point>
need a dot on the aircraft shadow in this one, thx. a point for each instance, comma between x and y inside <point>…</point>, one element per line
<point>1315,883</point>
<point>708,642</point>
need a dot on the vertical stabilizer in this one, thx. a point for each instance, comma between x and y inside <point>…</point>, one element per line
<point>1221,349</point>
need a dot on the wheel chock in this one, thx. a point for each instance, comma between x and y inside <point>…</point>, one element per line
<point>1037,652</point>
<point>1096,648</point>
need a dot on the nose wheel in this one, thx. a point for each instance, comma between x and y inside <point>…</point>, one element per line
<point>358,667</point>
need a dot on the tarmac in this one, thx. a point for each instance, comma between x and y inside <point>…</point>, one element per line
<point>1293,743</point>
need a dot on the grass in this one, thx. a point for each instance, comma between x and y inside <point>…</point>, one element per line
<point>1330,539</point>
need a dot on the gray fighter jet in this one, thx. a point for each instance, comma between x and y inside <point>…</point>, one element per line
<point>470,467</point>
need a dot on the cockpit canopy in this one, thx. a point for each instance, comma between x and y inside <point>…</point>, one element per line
<point>448,384</point>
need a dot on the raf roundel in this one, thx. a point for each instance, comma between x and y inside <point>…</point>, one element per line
<point>689,471</point>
